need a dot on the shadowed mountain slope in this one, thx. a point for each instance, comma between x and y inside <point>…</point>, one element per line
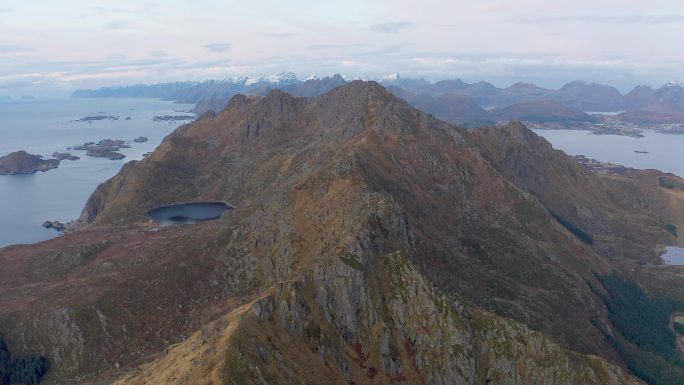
<point>626,216</point>
<point>455,108</point>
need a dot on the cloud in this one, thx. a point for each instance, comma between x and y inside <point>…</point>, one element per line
<point>116,58</point>
<point>18,81</point>
<point>117,25</point>
<point>355,37</point>
<point>217,47</point>
<point>145,9</point>
<point>336,46</point>
<point>282,34</point>
<point>9,48</point>
<point>390,27</point>
<point>158,54</point>
<point>618,19</point>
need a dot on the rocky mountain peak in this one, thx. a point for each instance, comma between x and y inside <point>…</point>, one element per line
<point>238,102</point>
<point>674,84</point>
<point>369,242</point>
<point>580,86</point>
<point>364,90</point>
<point>523,86</point>
<point>283,78</point>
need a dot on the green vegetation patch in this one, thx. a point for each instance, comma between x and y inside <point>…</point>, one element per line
<point>527,210</point>
<point>666,182</point>
<point>579,233</point>
<point>642,319</point>
<point>313,331</point>
<point>653,369</point>
<point>352,262</point>
<point>27,370</point>
<point>672,229</point>
<point>644,322</point>
<point>679,328</point>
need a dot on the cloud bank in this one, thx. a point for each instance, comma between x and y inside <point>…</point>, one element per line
<point>72,44</point>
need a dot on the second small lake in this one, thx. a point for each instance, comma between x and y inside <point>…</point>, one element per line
<point>673,256</point>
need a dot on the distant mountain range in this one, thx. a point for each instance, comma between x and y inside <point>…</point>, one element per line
<point>576,104</point>
<point>194,92</point>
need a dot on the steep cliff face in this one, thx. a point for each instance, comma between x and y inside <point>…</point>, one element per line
<point>380,322</point>
<point>366,235</point>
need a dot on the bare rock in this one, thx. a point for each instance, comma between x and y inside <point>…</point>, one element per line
<point>106,148</point>
<point>57,225</point>
<point>64,155</point>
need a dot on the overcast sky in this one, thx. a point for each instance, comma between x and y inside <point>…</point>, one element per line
<point>48,45</point>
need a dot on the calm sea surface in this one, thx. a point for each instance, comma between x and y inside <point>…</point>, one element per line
<point>665,151</point>
<point>43,127</point>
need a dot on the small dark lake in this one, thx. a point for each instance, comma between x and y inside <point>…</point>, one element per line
<point>187,213</point>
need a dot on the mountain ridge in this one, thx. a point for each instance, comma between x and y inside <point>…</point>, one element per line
<point>330,193</point>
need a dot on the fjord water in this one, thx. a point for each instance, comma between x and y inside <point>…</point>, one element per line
<point>45,126</point>
<point>665,151</point>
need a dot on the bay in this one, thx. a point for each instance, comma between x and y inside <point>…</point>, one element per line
<point>45,126</point>
<point>664,152</point>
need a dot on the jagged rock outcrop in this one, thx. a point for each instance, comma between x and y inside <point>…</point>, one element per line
<point>57,225</point>
<point>381,322</point>
<point>64,155</point>
<point>106,148</point>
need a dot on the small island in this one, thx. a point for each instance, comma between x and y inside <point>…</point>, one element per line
<point>173,118</point>
<point>64,156</point>
<point>21,162</point>
<point>91,119</point>
<point>106,148</point>
<point>57,225</point>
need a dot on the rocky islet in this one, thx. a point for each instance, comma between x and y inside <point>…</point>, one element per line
<point>105,148</point>
<point>21,162</point>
